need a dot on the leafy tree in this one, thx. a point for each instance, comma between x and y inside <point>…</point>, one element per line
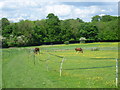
<point>65,30</point>
<point>89,31</point>
<point>53,29</point>
<point>80,20</point>
<point>96,18</point>
<point>6,29</point>
<point>40,31</point>
<point>107,18</point>
<point>26,28</point>
<point>5,22</point>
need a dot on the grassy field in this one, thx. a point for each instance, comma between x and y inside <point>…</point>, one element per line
<point>91,69</point>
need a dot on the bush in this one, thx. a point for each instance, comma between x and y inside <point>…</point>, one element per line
<point>95,49</point>
<point>66,42</point>
<point>82,40</point>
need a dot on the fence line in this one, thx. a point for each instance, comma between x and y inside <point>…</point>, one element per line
<point>56,55</point>
<point>61,64</point>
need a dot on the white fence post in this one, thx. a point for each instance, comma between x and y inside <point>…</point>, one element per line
<point>116,72</point>
<point>61,66</point>
<point>47,62</point>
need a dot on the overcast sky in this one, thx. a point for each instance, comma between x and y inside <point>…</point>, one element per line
<point>16,10</point>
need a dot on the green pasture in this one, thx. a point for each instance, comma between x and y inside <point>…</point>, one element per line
<point>91,69</point>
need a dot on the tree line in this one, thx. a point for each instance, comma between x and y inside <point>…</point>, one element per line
<point>52,29</point>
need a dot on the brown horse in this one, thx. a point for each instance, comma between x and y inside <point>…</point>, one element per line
<point>79,49</point>
<point>36,50</point>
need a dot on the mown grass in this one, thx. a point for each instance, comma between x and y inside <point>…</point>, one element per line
<point>91,69</point>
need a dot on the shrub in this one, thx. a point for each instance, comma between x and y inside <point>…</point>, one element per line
<point>66,42</point>
<point>95,49</point>
<point>82,40</point>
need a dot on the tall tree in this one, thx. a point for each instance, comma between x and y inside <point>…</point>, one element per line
<point>6,29</point>
<point>107,18</point>
<point>96,18</point>
<point>53,29</point>
<point>26,32</point>
<point>5,22</point>
<point>40,31</point>
<point>89,31</point>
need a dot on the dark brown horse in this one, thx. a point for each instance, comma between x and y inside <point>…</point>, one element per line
<point>79,50</point>
<point>36,50</point>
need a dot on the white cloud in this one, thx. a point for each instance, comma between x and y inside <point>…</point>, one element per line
<point>16,10</point>
<point>60,10</point>
<point>101,14</point>
<point>83,13</point>
<point>87,0</point>
<point>103,10</point>
<point>69,0</point>
<point>1,4</point>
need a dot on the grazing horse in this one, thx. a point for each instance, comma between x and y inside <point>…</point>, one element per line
<point>36,50</point>
<point>79,49</point>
